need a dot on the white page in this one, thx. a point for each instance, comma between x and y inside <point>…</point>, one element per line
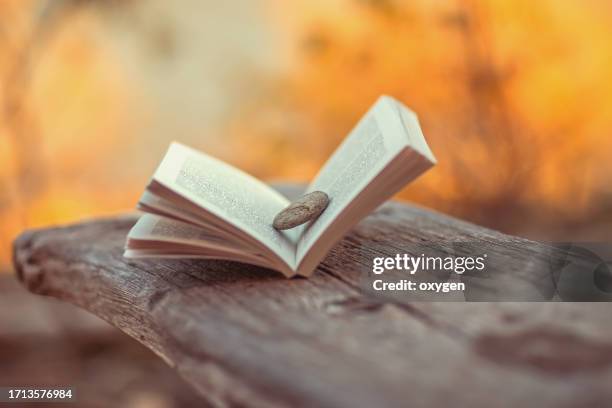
<point>229,194</point>
<point>384,132</point>
<point>150,230</point>
<point>151,203</point>
<point>155,227</point>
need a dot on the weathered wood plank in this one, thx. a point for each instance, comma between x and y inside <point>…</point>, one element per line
<point>245,335</point>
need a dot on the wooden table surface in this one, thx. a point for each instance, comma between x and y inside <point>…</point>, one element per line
<point>242,335</point>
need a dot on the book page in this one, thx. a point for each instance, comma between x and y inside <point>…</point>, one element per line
<point>165,236</point>
<point>376,140</point>
<point>228,194</point>
<point>153,227</point>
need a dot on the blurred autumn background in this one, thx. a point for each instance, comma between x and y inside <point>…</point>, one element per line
<point>514,96</point>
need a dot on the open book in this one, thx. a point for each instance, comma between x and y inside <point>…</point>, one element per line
<point>199,207</point>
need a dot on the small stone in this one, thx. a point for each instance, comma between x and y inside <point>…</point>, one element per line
<point>306,208</point>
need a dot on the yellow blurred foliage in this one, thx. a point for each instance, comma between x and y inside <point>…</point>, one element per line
<point>515,98</point>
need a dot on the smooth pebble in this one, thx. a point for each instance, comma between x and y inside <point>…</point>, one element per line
<point>302,210</point>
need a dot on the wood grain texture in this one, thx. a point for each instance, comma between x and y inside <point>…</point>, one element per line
<point>243,335</point>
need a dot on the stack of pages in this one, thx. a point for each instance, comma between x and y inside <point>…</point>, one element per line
<point>199,207</point>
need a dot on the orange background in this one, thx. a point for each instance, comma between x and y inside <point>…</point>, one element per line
<point>515,98</point>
